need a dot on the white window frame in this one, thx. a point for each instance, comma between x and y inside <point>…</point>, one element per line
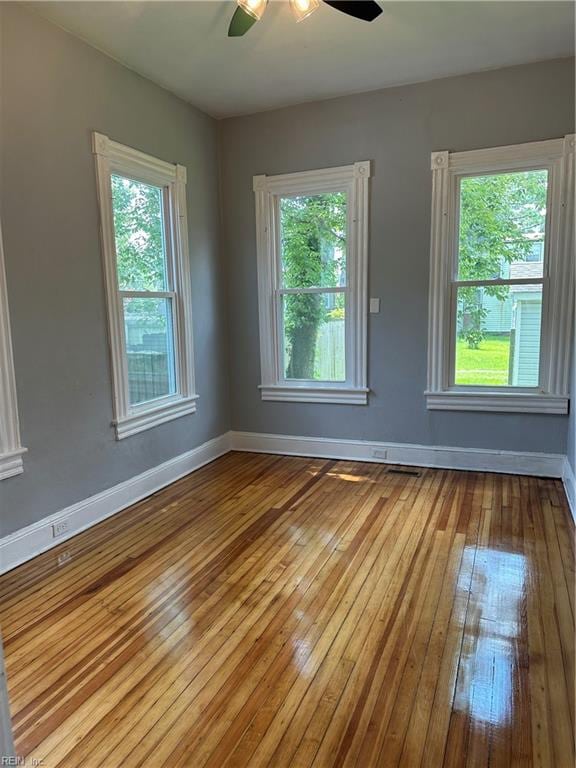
<point>111,158</point>
<point>354,180</point>
<point>11,450</point>
<point>552,394</point>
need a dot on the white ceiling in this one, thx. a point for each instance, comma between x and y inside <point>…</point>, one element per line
<point>183,46</point>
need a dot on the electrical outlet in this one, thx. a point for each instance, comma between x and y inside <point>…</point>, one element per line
<point>379,453</point>
<point>64,558</point>
<point>60,528</point>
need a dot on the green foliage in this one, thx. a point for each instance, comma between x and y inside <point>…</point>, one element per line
<point>500,217</point>
<point>138,220</point>
<point>313,239</point>
<point>312,227</point>
<point>473,313</point>
<point>474,337</point>
<point>337,313</point>
<point>140,253</point>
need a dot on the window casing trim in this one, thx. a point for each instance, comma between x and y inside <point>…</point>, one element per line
<point>11,449</point>
<point>354,180</point>
<point>111,158</point>
<point>552,394</point>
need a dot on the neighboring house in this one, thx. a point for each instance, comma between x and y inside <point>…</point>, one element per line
<point>526,303</point>
<point>519,316</point>
<point>499,317</point>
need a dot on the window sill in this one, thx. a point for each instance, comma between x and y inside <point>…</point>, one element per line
<point>304,394</point>
<point>11,463</point>
<point>153,417</point>
<point>498,402</point>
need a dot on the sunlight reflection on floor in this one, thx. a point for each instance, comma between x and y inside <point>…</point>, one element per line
<point>488,673</point>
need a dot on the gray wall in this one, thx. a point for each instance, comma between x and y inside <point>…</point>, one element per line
<point>396,129</point>
<point>55,91</point>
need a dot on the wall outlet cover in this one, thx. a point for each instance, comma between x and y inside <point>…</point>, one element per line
<point>60,528</point>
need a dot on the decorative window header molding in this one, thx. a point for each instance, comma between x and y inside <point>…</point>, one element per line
<point>552,396</point>
<point>512,156</point>
<point>139,163</point>
<point>11,450</point>
<point>310,181</point>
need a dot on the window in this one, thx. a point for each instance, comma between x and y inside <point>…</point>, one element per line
<point>11,450</point>
<point>501,288</point>
<point>312,273</point>
<point>145,246</point>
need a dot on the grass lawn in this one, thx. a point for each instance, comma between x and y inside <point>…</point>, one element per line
<point>486,365</point>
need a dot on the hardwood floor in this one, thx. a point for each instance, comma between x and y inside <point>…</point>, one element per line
<point>298,612</point>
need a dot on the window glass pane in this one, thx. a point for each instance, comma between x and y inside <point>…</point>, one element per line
<point>314,337</point>
<point>150,349</point>
<point>498,336</point>
<point>502,225</point>
<point>313,240</point>
<point>139,234</point>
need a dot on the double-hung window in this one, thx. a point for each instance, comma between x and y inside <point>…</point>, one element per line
<point>144,238</point>
<point>502,271</point>
<point>312,232</point>
<point>11,450</point>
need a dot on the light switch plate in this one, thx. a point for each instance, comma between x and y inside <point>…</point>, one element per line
<point>374,306</point>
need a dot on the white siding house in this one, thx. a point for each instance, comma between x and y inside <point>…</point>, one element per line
<point>518,316</point>
<point>525,347</point>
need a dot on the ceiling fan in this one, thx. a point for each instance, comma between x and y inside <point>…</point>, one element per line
<point>249,12</point>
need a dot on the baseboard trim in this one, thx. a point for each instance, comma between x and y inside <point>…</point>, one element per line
<point>569,480</point>
<point>26,543</point>
<point>441,457</point>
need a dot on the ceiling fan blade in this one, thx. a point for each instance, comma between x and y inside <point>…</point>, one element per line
<point>240,24</point>
<point>367,10</point>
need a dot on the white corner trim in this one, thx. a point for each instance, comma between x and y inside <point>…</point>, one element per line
<point>569,480</point>
<point>498,402</point>
<point>441,457</point>
<point>18,547</point>
<point>11,450</point>
<point>149,418</point>
<point>300,394</point>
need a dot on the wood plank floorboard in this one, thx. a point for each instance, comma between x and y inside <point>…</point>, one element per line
<point>293,612</point>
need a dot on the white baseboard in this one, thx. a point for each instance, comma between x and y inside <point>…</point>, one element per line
<point>478,459</point>
<point>28,542</point>
<point>18,547</point>
<point>569,480</point>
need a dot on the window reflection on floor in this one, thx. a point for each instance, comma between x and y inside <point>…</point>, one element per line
<point>488,674</point>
